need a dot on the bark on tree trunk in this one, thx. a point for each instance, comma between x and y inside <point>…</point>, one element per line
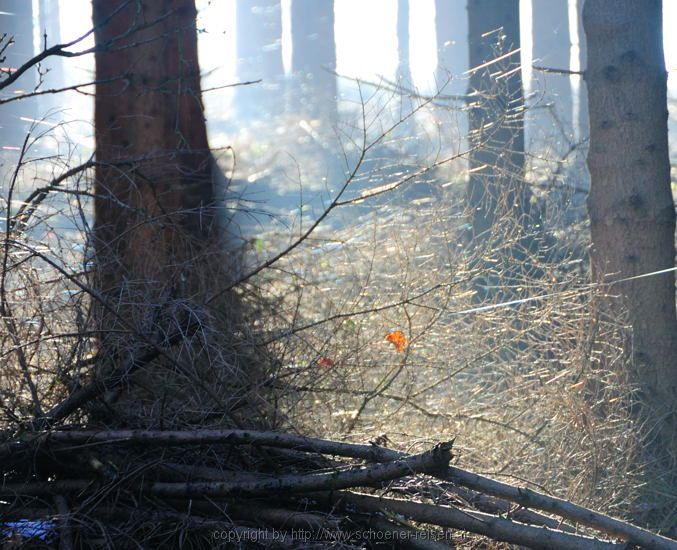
<point>632,214</point>
<point>150,219</point>
<point>155,236</point>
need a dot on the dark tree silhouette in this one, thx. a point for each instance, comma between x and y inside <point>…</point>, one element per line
<point>496,117</point>
<point>154,215</point>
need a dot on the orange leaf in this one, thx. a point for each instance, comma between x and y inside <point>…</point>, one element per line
<point>398,339</point>
<point>325,362</point>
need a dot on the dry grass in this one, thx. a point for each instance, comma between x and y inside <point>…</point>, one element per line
<point>520,386</point>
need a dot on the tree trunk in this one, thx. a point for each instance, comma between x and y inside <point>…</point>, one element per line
<point>154,215</point>
<point>451,30</point>
<point>161,263</point>
<point>259,57</point>
<point>496,117</point>
<point>552,121</point>
<point>403,66</point>
<point>314,57</point>
<point>451,34</point>
<point>582,129</point>
<point>632,216</point>
<point>50,34</point>
<point>16,19</point>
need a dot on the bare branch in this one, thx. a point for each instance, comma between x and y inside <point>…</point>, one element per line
<point>556,71</point>
<point>476,522</point>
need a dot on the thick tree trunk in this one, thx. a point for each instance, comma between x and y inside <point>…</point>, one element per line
<point>632,216</point>
<point>153,216</point>
<point>149,218</point>
<point>160,261</point>
<point>496,116</point>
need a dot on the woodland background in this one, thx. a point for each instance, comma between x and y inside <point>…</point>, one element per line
<point>232,227</point>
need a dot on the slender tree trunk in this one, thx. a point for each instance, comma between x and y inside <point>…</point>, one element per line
<point>582,130</point>
<point>259,57</point>
<point>632,214</point>
<point>16,19</point>
<point>314,56</point>
<point>403,67</point>
<point>314,92</point>
<point>50,34</point>
<point>451,35</point>
<point>551,124</point>
<point>451,31</point>
<point>496,116</point>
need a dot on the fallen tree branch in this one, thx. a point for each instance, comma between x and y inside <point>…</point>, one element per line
<point>475,522</point>
<point>436,459</point>
<point>405,536</point>
<point>65,535</point>
<point>269,439</point>
<point>427,462</point>
<point>497,506</point>
<point>42,488</point>
<point>561,507</point>
<point>262,438</point>
<point>277,517</point>
<point>51,441</point>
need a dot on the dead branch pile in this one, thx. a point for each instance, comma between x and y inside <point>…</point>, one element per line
<point>238,488</point>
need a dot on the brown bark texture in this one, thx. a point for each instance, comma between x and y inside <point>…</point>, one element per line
<point>632,214</point>
<point>152,218</point>
<point>156,240</point>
